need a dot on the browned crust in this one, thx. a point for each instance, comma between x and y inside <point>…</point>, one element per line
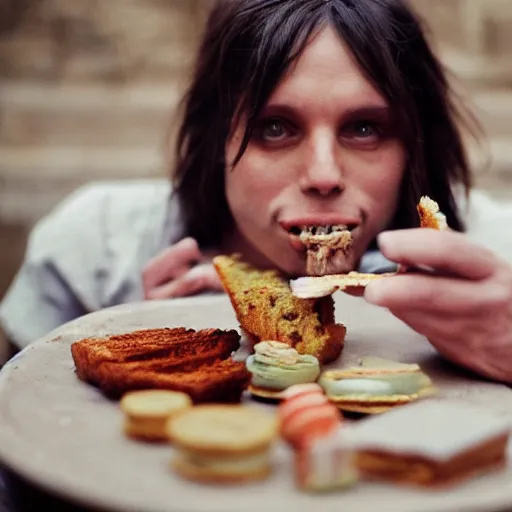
<point>204,475</point>
<point>419,471</point>
<point>194,362</point>
<point>143,348</point>
<point>219,381</point>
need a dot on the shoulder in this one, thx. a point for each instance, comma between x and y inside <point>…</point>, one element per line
<point>100,236</point>
<point>117,203</point>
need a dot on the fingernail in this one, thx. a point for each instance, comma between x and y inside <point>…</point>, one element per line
<point>373,293</point>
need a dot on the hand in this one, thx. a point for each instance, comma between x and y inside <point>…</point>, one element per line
<point>180,271</point>
<point>464,309</point>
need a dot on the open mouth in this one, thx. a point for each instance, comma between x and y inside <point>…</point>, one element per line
<point>321,230</point>
<point>327,246</point>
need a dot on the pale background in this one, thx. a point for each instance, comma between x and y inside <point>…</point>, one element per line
<point>87,89</point>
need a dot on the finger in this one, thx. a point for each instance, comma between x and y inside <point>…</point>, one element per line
<point>446,251</point>
<point>198,279</point>
<point>433,326</point>
<point>171,263</point>
<point>428,293</point>
<point>443,332</point>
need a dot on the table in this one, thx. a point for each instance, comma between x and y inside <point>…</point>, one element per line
<point>54,424</point>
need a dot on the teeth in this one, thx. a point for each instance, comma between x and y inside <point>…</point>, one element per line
<point>324,230</point>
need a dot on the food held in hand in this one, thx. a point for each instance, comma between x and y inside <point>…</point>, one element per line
<point>276,366</point>
<point>376,386</point>
<point>223,443</point>
<point>322,284</point>
<point>326,463</point>
<point>306,414</point>
<point>317,287</point>
<point>197,363</point>
<point>147,412</point>
<point>430,443</point>
<point>327,248</point>
<point>267,310</point>
<point>430,214</point>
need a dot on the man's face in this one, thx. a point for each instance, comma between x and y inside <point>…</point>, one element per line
<point>325,151</point>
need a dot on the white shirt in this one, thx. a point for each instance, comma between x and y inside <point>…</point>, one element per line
<point>89,252</point>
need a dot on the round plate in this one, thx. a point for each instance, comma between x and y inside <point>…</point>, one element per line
<point>64,436</point>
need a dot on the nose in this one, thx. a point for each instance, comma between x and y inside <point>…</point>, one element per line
<point>322,174</point>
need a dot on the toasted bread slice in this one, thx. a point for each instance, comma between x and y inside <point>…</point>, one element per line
<point>152,344</point>
<point>267,310</point>
<point>197,363</point>
<point>217,381</point>
<point>178,347</point>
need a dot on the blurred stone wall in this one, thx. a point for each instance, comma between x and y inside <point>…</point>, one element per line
<point>88,89</point>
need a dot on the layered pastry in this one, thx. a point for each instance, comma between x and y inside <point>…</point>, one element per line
<point>222,443</point>
<point>276,366</point>
<point>327,248</point>
<point>267,310</point>
<point>148,411</point>
<point>375,386</point>
<point>430,443</point>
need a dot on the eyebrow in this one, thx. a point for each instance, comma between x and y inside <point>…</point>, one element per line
<point>368,111</point>
<point>372,111</point>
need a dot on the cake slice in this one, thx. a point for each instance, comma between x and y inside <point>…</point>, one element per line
<point>268,311</point>
<point>431,443</point>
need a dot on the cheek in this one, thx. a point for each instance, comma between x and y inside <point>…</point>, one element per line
<point>253,183</point>
<point>382,184</point>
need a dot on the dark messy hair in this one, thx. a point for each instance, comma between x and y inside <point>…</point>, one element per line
<point>249,45</point>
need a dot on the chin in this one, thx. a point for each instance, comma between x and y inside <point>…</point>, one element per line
<point>288,262</point>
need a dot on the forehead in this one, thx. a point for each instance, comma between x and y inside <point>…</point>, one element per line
<point>326,72</point>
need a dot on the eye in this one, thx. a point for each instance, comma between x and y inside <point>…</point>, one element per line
<point>363,133</point>
<point>364,130</point>
<point>274,130</point>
